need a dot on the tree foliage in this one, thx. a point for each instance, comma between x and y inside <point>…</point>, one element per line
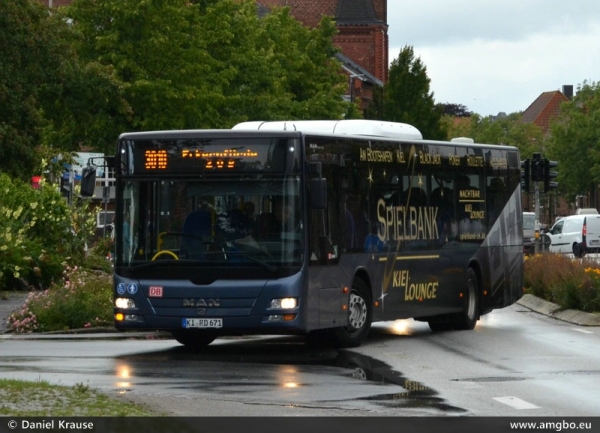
<point>80,75</point>
<point>407,98</point>
<point>209,64</point>
<point>575,141</point>
<point>509,130</point>
<point>31,55</point>
<point>49,97</point>
<point>456,110</point>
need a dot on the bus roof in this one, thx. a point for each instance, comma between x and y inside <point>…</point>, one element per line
<point>374,128</point>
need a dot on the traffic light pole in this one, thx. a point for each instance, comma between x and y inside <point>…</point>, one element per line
<point>537,218</point>
<point>537,170</point>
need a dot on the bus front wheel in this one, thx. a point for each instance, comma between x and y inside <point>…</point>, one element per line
<point>360,316</point>
<point>193,339</point>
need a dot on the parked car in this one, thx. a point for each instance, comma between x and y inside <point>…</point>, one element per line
<point>576,234</point>
<point>528,232</point>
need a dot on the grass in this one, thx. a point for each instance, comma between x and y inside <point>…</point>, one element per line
<point>40,398</point>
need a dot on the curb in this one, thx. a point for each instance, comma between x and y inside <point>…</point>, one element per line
<point>553,310</point>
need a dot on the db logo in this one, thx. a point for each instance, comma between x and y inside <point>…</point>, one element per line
<point>156,292</point>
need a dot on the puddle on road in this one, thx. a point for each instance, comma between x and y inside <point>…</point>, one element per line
<point>293,353</point>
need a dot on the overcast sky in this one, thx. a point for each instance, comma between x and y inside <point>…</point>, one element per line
<point>498,55</point>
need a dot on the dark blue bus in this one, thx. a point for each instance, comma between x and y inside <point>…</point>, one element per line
<point>316,228</point>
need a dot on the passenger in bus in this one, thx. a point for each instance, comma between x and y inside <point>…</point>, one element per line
<point>280,220</point>
<point>464,182</point>
<point>415,196</point>
<point>241,221</point>
<point>249,217</point>
<point>284,216</point>
<point>373,244</point>
<point>442,198</point>
<point>350,227</point>
<point>267,224</point>
<point>495,198</point>
<point>197,228</point>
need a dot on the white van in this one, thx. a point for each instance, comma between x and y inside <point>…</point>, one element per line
<point>576,234</point>
<point>528,232</point>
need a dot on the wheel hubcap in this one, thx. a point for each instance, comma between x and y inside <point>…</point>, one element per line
<point>358,311</point>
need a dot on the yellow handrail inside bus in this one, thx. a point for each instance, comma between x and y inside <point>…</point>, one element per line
<point>160,253</point>
<point>159,243</point>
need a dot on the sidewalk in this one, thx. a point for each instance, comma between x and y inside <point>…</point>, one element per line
<point>14,302</point>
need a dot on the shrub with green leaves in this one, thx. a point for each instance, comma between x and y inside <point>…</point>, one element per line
<point>39,233</point>
<point>570,283</point>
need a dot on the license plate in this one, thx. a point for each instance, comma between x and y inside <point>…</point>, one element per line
<point>202,323</point>
<point>594,242</point>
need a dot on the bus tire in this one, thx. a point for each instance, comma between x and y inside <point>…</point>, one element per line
<point>193,339</point>
<point>470,315</point>
<point>440,325</point>
<point>360,317</point>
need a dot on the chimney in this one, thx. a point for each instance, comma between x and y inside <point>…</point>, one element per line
<point>568,91</point>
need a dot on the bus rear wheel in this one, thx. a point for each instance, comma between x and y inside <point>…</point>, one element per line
<point>360,316</point>
<point>470,315</point>
<point>193,339</point>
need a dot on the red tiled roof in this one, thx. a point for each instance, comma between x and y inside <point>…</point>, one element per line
<point>544,109</point>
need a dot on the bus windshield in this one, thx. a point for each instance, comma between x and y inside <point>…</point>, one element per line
<point>211,222</point>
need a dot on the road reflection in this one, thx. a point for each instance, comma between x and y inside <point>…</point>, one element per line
<point>280,368</point>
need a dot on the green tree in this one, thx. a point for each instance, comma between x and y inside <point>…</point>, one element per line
<point>48,97</point>
<point>407,98</point>
<point>575,141</point>
<point>509,130</point>
<point>31,54</point>
<point>209,64</point>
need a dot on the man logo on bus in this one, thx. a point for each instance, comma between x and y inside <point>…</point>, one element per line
<point>201,302</point>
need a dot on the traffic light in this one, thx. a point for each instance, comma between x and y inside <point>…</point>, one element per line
<point>537,168</point>
<point>549,175</point>
<point>525,172</point>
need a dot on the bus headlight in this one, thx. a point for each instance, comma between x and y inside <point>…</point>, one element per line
<point>284,303</point>
<point>124,303</point>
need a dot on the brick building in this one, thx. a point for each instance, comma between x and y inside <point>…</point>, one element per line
<point>362,38</point>
<point>546,107</point>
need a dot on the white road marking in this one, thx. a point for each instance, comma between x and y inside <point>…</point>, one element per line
<point>582,331</point>
<point>517,403</point>
<point>470,385</point>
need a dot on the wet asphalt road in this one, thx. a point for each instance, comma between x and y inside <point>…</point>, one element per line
<point>515,363</point>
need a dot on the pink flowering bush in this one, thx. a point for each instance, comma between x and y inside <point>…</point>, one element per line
<point>83,299</point>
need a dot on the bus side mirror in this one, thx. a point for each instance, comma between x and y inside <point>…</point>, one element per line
<point>88,181</point>
<point>318,193</point>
